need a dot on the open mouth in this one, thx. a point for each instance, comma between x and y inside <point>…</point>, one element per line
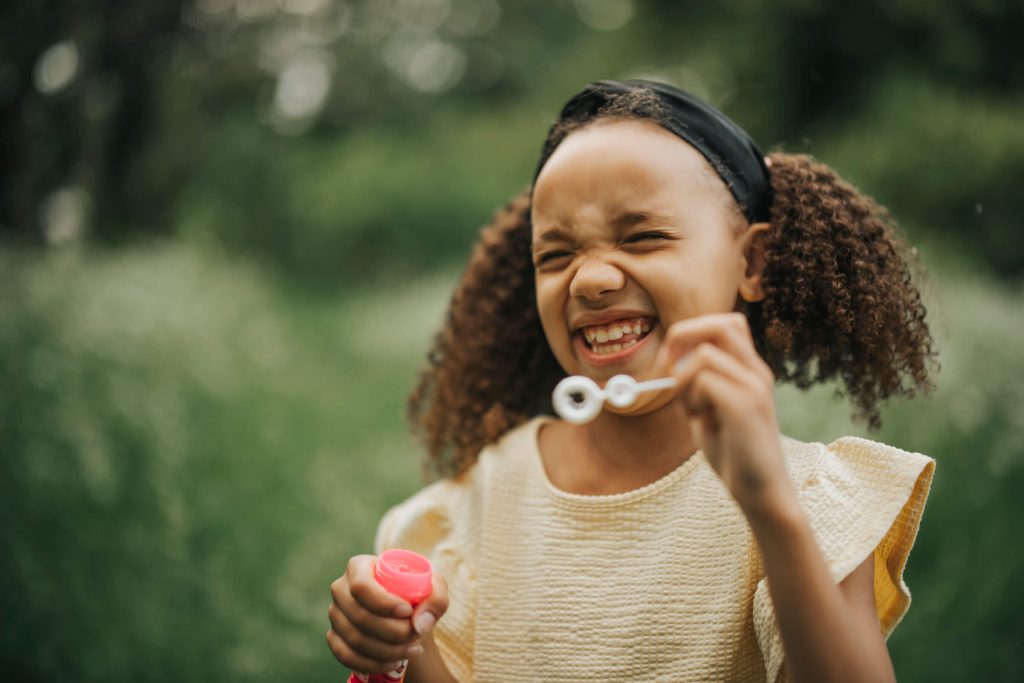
<point>617,336</point>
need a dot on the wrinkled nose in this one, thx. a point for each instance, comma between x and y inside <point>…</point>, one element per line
<point>596,278</point>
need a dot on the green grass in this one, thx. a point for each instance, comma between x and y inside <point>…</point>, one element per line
<point>190,450</point>
<point>189,457</point>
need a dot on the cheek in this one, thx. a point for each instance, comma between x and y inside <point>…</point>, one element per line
<point>673,288</point>
<point>551,309</point>
<point>690,287</point>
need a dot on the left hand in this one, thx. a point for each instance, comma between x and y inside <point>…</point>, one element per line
<point>725,389</point>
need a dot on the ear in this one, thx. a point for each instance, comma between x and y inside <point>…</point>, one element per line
<point>753,261</point>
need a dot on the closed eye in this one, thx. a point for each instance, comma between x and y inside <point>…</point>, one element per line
<point>549,256</point>
<point>646,236</point>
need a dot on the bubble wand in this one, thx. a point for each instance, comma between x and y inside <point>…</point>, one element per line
<point>578,399</point>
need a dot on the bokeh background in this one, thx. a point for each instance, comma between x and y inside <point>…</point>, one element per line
<point>228,229</point>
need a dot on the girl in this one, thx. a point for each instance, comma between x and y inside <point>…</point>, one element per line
<point>682,538</point>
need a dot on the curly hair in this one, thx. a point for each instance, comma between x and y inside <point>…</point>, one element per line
<point>490,367</point>
<point>840,303</point>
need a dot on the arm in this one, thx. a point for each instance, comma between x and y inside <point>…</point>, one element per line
<point>830,633</point>
<point>429,667</point>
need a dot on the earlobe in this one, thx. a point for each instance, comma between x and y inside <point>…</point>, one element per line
<point>754,262</point>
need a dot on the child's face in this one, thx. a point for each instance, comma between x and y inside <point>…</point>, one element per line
<point>632,232</point>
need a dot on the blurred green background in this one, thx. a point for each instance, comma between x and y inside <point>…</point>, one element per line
<point>228,229</point>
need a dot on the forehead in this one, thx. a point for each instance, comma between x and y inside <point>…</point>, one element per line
<point>621,163</point>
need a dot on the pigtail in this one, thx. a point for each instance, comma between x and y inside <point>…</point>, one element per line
<point>839,302</point>
<point>490,368</point>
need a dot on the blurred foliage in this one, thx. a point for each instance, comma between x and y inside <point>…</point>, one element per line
<point>186,464</point>
<point>192,450</point>
<point>218,224</point>
<point>337,139</point>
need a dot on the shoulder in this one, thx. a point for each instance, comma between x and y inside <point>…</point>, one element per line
<point>862,496</point>
<point>448,510</point>
<point>856,461</point>
<point>852,472</point>
<point>420,521</point>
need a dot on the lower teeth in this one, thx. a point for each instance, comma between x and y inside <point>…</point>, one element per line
<point>613,348</point>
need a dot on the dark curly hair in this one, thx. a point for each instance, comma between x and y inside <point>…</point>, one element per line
<point>840,303</point>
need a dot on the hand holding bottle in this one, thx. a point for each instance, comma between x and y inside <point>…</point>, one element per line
<point>380,610</point>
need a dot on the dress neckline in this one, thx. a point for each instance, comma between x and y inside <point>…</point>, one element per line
<point>581,500</point>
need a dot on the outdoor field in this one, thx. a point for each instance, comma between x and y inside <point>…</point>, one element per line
<point>192,450</point>
<point>230,230</point>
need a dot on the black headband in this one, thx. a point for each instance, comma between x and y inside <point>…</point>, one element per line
<point>728,148</point>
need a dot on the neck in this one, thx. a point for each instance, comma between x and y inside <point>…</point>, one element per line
<point>617,453</point>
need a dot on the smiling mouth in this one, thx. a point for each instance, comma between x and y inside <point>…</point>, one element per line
<point>613,337</point>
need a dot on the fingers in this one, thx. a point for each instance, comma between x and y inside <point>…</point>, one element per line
<point>387,630</point>
<point>712,380</point>
<point>708,376</point>
<point>370,628</point>
<point>728,331</point>
<point>368,607</point>
<point>358,642</point>
<point>433,608</point>
<point>707,356</point>
<point>356,661</point>
<point>369,594</point>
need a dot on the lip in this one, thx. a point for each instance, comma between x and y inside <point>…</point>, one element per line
<point>610,358</point>
<point>607,317</point>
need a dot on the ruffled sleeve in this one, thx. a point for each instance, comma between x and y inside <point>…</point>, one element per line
<point>418,524</point>
<point>439,523</point>
<point>860,496</point>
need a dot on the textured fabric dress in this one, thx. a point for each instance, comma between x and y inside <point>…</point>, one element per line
<point>663,583</point>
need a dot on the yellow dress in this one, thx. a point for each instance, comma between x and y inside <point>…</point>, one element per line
<point>663,583</point>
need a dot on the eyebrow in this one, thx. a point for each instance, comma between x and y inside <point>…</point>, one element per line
<point>554,235</point>
<point>629,219</point>
<point>621,222</point>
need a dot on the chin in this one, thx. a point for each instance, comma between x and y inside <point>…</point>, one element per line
<point>645,404</point>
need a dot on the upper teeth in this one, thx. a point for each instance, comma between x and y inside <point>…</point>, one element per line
<point>611,332</point>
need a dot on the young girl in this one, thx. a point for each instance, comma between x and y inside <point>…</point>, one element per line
<point>682,538</point>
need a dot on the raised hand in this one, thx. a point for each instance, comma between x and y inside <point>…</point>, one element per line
<point>726,391</point>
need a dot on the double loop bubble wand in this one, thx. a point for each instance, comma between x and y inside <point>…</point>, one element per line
<point>578,399</point>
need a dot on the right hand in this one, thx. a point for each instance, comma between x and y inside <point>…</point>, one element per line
<point>372,630</point>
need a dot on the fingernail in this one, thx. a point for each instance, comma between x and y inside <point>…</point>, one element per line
<point>423,623</point>
<point>414,651</point>
<point>681,363</point>
<point>403,611</point>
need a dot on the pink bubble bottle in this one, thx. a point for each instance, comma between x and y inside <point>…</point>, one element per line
<point>407,575</point>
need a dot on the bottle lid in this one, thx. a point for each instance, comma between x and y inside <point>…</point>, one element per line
<point>404,573</point>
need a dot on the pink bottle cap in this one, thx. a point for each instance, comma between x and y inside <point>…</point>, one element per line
<point>404,573</point>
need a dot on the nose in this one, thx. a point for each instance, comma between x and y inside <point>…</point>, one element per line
<point>595,278</point>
